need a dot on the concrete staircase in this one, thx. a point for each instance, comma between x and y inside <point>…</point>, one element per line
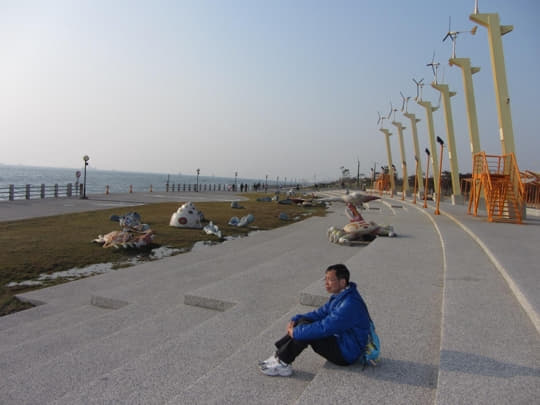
<point>191,328</point>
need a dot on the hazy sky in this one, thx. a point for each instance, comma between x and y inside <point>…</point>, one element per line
<point>287,88</point>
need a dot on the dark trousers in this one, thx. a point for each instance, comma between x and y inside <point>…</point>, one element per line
<point>288,348</point>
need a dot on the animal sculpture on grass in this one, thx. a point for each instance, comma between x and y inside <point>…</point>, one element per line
<point>358,230</point>
<point>134,233</point>
<point>187,216</point>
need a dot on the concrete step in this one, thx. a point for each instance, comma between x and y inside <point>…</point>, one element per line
<point>158,375</point>
<point>401,281</point>
<point>30,329</point>
<point>44,347</point>
<point>129,281</point>
<point>222,386</point>
<point>37,313</point>
<point>490,350</point>
<point>41,349</point>
<point>48,381</point>
<point>262,285</point>
<point>172,283</point>
<point>139,363</point>
<point>238,380</point>
<point>260,294</point>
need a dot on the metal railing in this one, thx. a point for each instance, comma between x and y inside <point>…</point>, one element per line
<point>29,191</point>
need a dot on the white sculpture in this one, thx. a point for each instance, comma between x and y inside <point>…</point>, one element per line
<point>187,216</point>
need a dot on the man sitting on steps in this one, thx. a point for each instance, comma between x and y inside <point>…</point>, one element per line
<point>338,330</point>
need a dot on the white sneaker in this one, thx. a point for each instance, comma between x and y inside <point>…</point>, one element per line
<point>272,360</point>
<point>279,368</point>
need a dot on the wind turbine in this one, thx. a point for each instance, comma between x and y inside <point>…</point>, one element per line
<point>454,34</point>
<point>381,119</point>
<point>434,66</point>
<point>404,103</point>
<point>394,110</point>
<point>419,86</point>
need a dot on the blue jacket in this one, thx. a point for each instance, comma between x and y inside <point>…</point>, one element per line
<point>344,316</point>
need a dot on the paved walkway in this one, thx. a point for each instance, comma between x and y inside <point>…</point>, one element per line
<point>454,299</point>
<point>22,209</point>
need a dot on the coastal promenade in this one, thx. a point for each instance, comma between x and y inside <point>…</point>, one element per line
<point>454,298</point>
<point>22,209</point>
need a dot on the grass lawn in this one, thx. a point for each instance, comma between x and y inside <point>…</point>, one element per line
<point>31,247</point>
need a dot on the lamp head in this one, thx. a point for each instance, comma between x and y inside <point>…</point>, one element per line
<point>427,152</point>
<point>441,142</point>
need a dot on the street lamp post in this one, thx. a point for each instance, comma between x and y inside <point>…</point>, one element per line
<point>415,179</point>
<point>437,212</point>
<point>198,171</point>
<point>86,159</point>
<point>427,177</point>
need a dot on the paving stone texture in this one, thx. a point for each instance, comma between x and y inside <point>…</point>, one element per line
<point>454,299</point>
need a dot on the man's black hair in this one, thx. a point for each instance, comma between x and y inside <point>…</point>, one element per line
<point>342,272</point>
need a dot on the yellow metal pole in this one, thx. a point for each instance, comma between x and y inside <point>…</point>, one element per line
<point>452,155</point>
<point>495,32</point>
<point>431,131</point>
<point>400,129</point>
<point>472,118</point>
<point>414,131</point>
<point>387,134</point>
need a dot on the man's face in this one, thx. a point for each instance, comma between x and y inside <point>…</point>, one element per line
<point>332,284</point>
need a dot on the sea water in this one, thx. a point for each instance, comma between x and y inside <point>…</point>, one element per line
<point>97,180</point>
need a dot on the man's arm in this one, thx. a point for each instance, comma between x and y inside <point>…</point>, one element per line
<point>290,329</point>
<point>315,315</point>
<point>343,317</point>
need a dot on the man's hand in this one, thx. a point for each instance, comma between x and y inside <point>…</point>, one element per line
<point>290,329</point>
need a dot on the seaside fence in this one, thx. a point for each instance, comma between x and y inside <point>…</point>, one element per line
<point>29,191</point>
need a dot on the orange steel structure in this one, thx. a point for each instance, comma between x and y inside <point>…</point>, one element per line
<point>383,183</point>
<point>499,179</point>
<point>531,182</point>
